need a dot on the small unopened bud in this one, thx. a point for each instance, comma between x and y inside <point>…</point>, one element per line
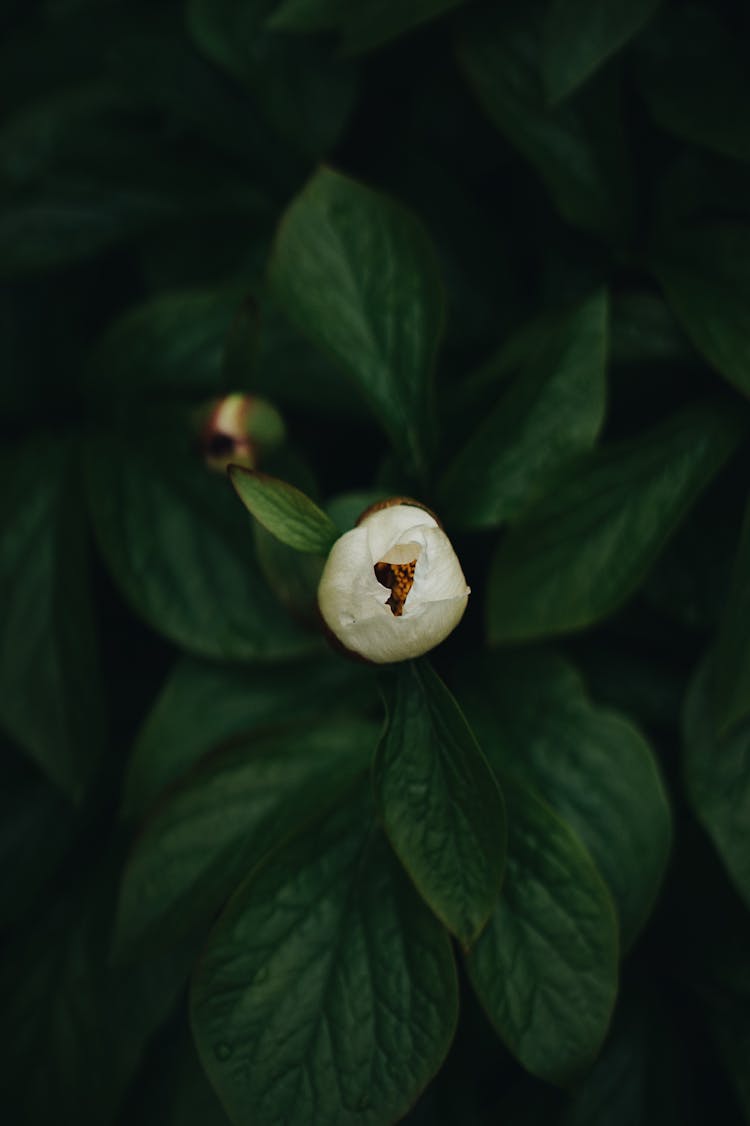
<point>238,430</point>
<point>392,588</point>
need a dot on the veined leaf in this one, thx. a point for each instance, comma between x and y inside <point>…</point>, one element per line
<point>356,272</point>
<point>327,991</point>
<point>204,839</point>
<point>582,550</point>
<point>552,411</point>
<point>533,717</point>
<point>284,511</point>
<point>439,802</point>
<point>545,969</point>
<point>204,705</point>
<point>178,547</point>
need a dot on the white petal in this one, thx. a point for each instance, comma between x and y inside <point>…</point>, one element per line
<point>388,526</point>
<point>385,638</point>
<point>438,575</point>
<point>348,589</point>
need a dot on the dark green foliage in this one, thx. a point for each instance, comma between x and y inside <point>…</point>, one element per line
<point>329,939</point>
<point>439,803</point>
<point>490,257</point>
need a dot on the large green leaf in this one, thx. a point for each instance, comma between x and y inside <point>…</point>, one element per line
<point>732,681</point>
<point>545,969</point>
<point>580,35</point>
<point>686,40</point>
<point>284,511</point>
<point>705,273</point>
<point>304,93</point>
<point>50,692</point>
<point>171,345</point>
<point>574,147</point>
<point>363,25</point>
<point>533,718</point>
<point>717,778</point>
<point>585,548</point>
<point>201,842</point>
<point>551,412</point>
<point>204,705</point>
<point>178,546</point>
<point>327,992</point>
<point>439,802</point>
<point>290,372</point>
<point>357,273</point>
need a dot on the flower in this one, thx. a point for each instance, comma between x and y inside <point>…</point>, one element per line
<point>237,430</point>
<point>392,587</point>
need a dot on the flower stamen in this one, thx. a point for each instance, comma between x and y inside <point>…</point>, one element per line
<point>399,579</point>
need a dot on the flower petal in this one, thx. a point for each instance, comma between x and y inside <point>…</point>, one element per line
<point>388,526</point>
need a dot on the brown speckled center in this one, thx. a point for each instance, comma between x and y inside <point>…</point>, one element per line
<point>399,579</point>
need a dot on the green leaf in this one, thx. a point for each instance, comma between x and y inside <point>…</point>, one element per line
<point>204,839</point>
<point>290,372</point>
<point>50,692</point>
<point>705,273</point>
<point>357,273</point>
<point>732,681</point>
<point>692,39</point>
<point>717,778</point>
<point>362,26</point>
<point>327,992</point>
<point>552,412</point>
<point>545,969</point>
<point>584,549</point>
<point>439,802</point>
<point>284,511</point>
<point>303,91</point>
<point>573,147</point>
<point>532,714</point>
<point>178,547</point>
<point>203,706</point>
<point>172,345</point>
<point>580,35</point>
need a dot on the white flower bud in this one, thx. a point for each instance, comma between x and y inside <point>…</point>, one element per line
<point>392,587</point>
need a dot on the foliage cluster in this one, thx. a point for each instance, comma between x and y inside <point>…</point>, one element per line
<point>494,256</point>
